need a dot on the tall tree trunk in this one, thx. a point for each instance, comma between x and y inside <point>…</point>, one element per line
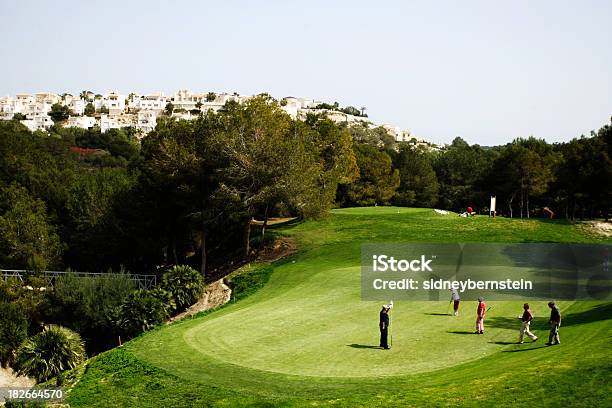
<point>263,228</point>
<point>522,200</point>
<point>174,255</point>
<point>203,248</point>
<point>527,202</point>
<point>247,238</point>
<point>510,205</point>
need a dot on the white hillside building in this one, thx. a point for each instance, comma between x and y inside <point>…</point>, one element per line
<point>147,119</point>
<point>48,97</point>
<point>115,103</point>
<point>152,102</point>
<point>83,122</point>
<point>77,106</point>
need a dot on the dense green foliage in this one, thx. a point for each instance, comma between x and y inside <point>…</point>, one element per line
<point>26,236</point>
<point>13,330</point>
<point>59,112</point>
<point>87,305</point>
<point>377,182</point>
<point>187,192</point>
<point>184,284</point>
<point>50,352</point>
<point>142,310</point>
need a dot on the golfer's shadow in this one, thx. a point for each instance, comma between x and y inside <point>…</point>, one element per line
<point>461,332</point>
<point>437,314</point>
<point>362,346</point>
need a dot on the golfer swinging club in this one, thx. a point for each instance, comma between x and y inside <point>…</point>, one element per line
<point>384,325</point>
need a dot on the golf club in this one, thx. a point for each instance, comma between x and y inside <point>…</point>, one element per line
<point>489,308</point>
<point>390,328</point>
<point>448,308</point>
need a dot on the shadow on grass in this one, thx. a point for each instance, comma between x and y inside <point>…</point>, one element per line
<point>437,314</point>
<point>461,332</point>
<point>503,343</point>
<point>526,349</point>
<point>595,314</point>
<point>513,323</point>
<point>362,346</point>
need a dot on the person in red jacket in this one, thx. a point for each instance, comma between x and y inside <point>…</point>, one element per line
<point>480,315</point>
<point>526,319</point>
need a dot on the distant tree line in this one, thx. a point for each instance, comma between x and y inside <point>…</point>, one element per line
<point>188,192</point>
<point>572,179</point>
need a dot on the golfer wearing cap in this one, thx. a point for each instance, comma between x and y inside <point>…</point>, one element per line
<point>555,323</point>
<point>384,325</point>
<point>480,315</point>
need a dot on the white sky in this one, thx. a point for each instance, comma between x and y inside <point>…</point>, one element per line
<point>488,71</point>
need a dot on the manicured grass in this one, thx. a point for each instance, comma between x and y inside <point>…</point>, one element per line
<point>306,338</point>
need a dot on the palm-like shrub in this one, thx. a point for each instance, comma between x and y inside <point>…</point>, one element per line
<point>50,352</point>
<point>185,284</point>
<point>13,330</point>
<point>142,310</point>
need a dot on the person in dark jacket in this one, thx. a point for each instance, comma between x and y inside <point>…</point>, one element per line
<point>555,323</point>
<point>384,326</point>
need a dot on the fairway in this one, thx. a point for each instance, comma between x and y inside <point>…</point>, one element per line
<point>306,336</point>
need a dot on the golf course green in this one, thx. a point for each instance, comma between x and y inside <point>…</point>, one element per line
<point>307,339</point>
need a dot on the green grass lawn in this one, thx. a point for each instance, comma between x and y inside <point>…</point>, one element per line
<point>306,338</point>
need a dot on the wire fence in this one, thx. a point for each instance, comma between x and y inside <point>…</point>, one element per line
<point>143,281</point>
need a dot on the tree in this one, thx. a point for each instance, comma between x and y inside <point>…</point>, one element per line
<point>59,112</point>
<point>461,170</point>
<point>19,116</point>
<point>86,305</point>
<point>183,162</point>
<point>27,240</point>
<point>335,155</point>
<point>377,180</point>
<point>377,137</point>
<point>418,181</point>
<point>169,109</point>
<point>583,176</point>
<point>89,109</point>
<point>524,169</point>
<point>211,96</point>
<point>260,149</point>
<point>13,330</point>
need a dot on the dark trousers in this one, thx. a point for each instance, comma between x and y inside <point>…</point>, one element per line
<point>384,334</point>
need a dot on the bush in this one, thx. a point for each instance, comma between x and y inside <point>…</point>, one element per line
<point>185,284</point>
<point>50,352</point>
<point>9,290</point>
<point>13,331</point>
<point>86,304</point>
<point>142,310</point>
